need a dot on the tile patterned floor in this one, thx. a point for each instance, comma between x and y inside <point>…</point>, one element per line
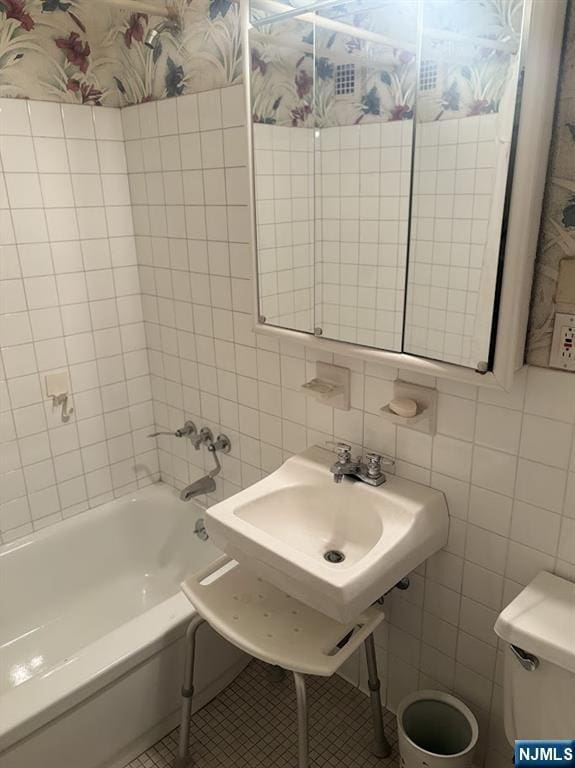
<point>252,724</point>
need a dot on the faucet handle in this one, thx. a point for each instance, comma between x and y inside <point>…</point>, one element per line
<point>374,462</point>
<point>187,430</point>
<point>343,451</point>
<point>222,443</point>
<point>204,437</point>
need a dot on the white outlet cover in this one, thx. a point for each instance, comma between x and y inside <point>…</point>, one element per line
<point>563,344</point>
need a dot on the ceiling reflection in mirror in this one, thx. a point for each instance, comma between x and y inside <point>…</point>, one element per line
<point>381,143</point>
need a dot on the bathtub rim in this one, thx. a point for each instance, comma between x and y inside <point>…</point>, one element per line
<point>148,492</point>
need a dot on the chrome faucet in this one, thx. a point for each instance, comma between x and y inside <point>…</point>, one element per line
<point>204,436</point>
<point>367,472</point>
<point>206,484</point>
<point>344,465</point>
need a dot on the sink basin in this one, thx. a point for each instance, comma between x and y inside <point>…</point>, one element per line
<point>314,520</point>
<point>336,547</point>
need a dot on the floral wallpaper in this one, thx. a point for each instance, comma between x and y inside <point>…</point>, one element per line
<point>88,52</point>
<point>557,235</point>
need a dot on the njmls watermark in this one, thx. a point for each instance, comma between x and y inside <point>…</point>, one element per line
<point>545,753</point>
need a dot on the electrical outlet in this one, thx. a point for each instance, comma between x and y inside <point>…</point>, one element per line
<point>563,344</point>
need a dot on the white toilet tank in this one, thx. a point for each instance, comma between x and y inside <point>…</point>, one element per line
<point>538,628</point>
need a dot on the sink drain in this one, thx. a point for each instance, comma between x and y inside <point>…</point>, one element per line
<point>334,556</point>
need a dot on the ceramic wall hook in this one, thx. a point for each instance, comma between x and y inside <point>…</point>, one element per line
<point>62,400</point>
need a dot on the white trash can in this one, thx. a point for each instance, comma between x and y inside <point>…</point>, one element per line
<point>435,730</point>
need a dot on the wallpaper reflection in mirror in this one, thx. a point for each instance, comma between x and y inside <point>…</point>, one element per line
<point>465,110</point>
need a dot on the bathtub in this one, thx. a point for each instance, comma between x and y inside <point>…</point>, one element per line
<point>91,633</point>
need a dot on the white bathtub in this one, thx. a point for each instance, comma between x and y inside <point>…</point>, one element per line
<point>91,633</point>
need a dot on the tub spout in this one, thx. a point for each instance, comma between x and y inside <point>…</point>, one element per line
<point>205,484</point>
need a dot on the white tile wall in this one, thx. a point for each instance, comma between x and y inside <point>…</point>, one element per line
<point>192,232</point>
<point>506,461</point>
<point>70,301</point>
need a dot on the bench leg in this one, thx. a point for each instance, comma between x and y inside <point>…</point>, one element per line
<point>183,759</point>
<point>302,720</point>
<point>382,747</point>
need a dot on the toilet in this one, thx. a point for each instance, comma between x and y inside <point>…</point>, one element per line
<point>538,629</point>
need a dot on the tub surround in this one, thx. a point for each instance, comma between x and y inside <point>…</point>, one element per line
<point>69,302</point>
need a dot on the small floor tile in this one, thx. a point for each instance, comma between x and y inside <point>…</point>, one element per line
<point>252,724</point>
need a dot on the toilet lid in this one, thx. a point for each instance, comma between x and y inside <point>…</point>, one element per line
<point>541,620</point>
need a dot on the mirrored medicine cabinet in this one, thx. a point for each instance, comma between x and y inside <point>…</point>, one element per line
<point>398,155</point>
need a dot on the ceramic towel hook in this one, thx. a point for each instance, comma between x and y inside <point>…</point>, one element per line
<point>58,388</point>
<point>62,400</point>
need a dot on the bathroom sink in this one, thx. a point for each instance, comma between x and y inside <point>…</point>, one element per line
<point>337,547</point>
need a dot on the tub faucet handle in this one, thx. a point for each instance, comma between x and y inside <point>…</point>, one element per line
<point>188,430</point>
<point>203,437</point>
<point>222,443</point>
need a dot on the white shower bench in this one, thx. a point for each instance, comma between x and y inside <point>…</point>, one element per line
<point>270,625</point>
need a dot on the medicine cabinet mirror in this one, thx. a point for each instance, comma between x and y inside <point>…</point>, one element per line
<point>384,136</point>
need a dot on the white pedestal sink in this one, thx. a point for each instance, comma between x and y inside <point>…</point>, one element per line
<point>337,547</point>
